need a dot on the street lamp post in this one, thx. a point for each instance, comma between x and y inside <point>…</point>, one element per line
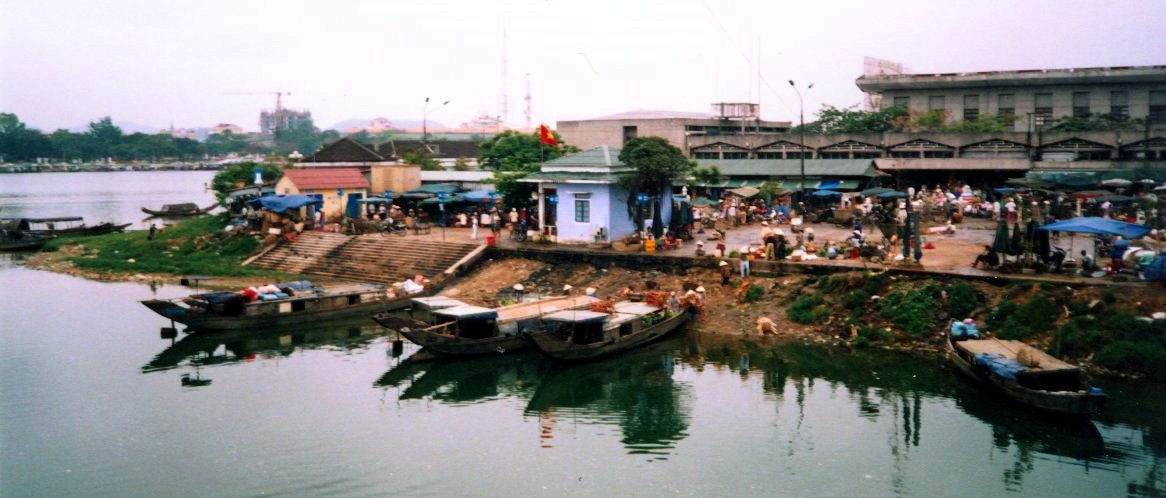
<point>802,132</point>
<point>425,119</point>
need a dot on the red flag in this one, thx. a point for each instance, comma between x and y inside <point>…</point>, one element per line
<point>545,136</point>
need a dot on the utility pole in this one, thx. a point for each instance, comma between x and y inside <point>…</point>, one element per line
<point>802,132</point>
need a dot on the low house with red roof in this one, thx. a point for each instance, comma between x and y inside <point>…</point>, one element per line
<point>340,188</point>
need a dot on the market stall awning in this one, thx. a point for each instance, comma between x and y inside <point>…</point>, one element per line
<point>281,203</point>
<point>1099,226</point>
<point>744,191</point>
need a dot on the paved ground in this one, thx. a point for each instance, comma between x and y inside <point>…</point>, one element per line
<point>953,253</point>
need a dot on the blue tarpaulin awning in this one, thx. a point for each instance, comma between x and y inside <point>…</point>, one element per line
<point>1099,226</point>
<point>281,203</point>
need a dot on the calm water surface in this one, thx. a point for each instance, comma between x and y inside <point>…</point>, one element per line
<point>93,402</point>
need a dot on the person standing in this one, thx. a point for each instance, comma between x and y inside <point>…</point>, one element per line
<point>743,253</point>
<point>474,228</point>
<point>726,272</point>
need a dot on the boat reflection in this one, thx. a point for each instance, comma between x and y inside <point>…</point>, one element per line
<point>227,347</point>
<point>466,380</point>
<point>634,390</point>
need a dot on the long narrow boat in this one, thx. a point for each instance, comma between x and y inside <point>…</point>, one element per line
<point>232,310</point>
<point>17,240</point>
<point>575,335</point>
<point>1049,384</point>
<point>63,225</point>
<point>466,330</point>
<point>183,209</point>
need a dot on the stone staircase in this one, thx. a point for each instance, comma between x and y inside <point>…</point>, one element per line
<point>367,258</point>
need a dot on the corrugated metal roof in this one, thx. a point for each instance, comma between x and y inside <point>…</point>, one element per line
<point>961,163</point>
<point>598,157</point>
<point>570,177</point>
<point>791,167</point>
<point>324,178</point>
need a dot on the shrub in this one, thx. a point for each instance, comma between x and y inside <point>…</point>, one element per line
<point>753,294</point>
<point>1033,317</point>
<point>809,309</point>
<point>912,310</point>
<point>962,300</point>
<point>1138,356</point>
<point>1108,296</point>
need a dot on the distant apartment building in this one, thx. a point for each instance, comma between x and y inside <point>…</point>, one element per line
<point>1035,98</point>
<point>280,119</point>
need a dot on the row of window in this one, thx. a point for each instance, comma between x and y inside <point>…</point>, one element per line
<point>1042,114</point>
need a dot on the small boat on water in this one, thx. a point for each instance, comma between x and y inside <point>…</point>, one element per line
<point>1025,374</point>
<point>585,334</point>
<point>183,209</point>
<point>293,303</point>
<point>465,330</point>
<point>19,240</point>
<point>62,225</point>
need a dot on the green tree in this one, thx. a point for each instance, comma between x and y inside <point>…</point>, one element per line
<point>19,143</point>
<point>240,175</point>
<point>657,165</point>
<point>832,120</point>
<point>514,151</point>
<point>102,139</point>
<point>984,123</point>
<point>461,164</point>
<point>515,193</point>
<point>301,136</point>
<point>421,158</point>
<point>1096,122</point>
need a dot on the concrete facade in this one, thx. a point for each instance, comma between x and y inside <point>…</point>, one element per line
<point>1040,95</point>
<point>617,129</point>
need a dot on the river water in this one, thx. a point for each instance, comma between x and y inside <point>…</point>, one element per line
<point>93,402</point>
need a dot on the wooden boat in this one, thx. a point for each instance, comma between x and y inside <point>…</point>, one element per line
<point>19,240</point>
<point>466,330</point>
<point>183,209</point>
<point>1050,384</point>
<point>307,303</point>
<point>584,335</point>
<point>63,225</point>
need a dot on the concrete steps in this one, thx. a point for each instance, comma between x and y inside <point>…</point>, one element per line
<point>367,258</point>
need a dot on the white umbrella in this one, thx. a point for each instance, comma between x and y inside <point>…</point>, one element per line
<point>1116,182</point>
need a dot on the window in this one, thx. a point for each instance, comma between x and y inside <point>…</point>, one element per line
<point>1006,104</point>
<point>904,102</point>
<point>971,107</point>
<point>583,208</point>
<point>629,132</point>
<point>935,103</point>
<point>1042,112</point>
<point>1157,114</point>
<point>1080,104</point>
<point>1119,104</point>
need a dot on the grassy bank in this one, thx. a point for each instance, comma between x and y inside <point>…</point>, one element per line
<point>194,247</point>
<point>1089,325</point>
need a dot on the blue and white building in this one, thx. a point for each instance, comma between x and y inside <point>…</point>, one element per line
<point>580,198</point>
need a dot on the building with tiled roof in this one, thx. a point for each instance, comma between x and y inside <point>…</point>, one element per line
<point>340,188</point>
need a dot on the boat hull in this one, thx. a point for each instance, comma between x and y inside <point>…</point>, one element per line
<point>1059,402</point>
<point>461,346</point>
<point>566,350</point>
<point>176,214</point>
<point>202,321</point>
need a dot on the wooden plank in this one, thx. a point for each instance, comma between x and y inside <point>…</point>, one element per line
<point>1009,349</point>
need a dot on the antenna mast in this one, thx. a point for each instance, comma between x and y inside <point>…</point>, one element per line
<point>504,112</point>
<point>528,110</point>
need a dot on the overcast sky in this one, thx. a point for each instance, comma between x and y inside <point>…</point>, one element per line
<point>157,62</point>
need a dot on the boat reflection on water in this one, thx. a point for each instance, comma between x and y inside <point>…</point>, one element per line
<point>200,350</point>
<point>466,380</point>
<point>634,390</point>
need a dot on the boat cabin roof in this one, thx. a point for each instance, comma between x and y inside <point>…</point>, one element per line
<point>436,302</point>
<point>577,316</point>
<point>635,308</point>
<point>183,206</point>
<point>534,309</point>
<point>467,311</point>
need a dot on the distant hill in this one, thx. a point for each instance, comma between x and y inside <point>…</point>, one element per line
<point>127,127</point>
<point>399,123</point>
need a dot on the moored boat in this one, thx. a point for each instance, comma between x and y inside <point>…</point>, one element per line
<point>19,240</point>
<point>63,225</point>
<point>297,302</point>
<point>584,334</point>
<point>1025,374</point>
<point>467,330</point>
<point>183,209</point>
